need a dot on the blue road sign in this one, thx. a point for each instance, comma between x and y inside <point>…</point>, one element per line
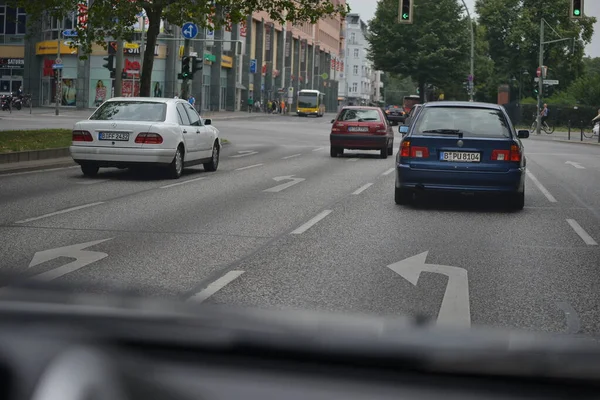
<point>189,30</point>
<point>253,66</point>
<point>69,33</point>
<point>57,66</point>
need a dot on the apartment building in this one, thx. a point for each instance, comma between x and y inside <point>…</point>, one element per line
<point>12,47</point>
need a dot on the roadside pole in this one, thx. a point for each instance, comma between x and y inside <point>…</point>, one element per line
<point>540,81</point>
<point>185,81</point>
<point>119,59</point>
<point>58,77</point>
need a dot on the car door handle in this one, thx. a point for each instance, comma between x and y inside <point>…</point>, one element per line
<point>198,131</point>
<point>184,131</point>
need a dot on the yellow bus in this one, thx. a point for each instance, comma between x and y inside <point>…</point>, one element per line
<point>310,102</point>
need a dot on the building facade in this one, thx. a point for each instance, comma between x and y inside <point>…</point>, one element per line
<point>360,84</point>
<point>257,59</point>
<point>12,47</point>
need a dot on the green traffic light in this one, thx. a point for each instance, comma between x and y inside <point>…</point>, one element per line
<point>405,16</point>
<point>577,12</point>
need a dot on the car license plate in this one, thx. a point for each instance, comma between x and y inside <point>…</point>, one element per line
<point>358,129</point>
<point>120,136</point>
<point>460,156</point>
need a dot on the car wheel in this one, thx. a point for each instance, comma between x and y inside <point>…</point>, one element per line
<point>176,167</point>
<point>402,196</point>
<point>214,159</point>
<point>383,153</point>
<point>391,149</point>
<point>517,201</point>
<point>89,169</point>
<point>336,151</point>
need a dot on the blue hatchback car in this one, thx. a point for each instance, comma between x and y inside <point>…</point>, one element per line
<point>461,147</point>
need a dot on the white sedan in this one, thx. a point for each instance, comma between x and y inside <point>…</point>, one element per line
<point>136,131</point>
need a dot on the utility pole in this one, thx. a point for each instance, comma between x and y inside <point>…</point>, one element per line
<point>119,61</point>
<point>58,76</point>
<point>538,120</point>
<point>472,69</point>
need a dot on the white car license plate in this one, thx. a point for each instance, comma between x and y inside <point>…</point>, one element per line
<point>120,136</point>
<point>460,156</point>
<point>358,129</point>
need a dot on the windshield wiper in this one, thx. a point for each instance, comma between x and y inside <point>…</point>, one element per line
<point>367,119</point>
<point>446,132</point>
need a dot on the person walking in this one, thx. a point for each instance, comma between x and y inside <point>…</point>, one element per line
<point>250,104</point>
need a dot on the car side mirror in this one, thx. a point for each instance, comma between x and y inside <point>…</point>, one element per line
<point>332,121</point>
<point>403,129</point>
<point>208,121</point>
<point>523,134</point>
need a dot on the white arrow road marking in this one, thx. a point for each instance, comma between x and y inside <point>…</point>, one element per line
<point>283,186</point>
<point>215,286</point>
<point>582,233</point>
<point>59,212</point>
<point>541,187</point>
<point>82,258</point>
<point>575,164</point>
<point>455,309</point>
<point>244,153</point>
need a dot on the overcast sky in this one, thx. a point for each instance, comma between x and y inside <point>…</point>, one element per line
<point>366,9</point>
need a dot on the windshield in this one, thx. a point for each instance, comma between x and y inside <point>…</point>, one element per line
<point>472,122</point>
<point>359,115</point>
<point>130,111</point>
<point>308,100</point>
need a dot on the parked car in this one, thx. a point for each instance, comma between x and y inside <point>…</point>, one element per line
<point>461,147</point>
<point>132,131</point>
<point>361,128</point>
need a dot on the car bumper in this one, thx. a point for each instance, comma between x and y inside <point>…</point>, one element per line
<point>396,118</point>
<point>359,142</point>
<point>108,156</point>
<point>303,113</point>
<point>511,181</point>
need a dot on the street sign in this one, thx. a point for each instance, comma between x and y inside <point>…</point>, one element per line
<point>189,30</point>
<point>69,33</point>
<point>547,81</point>
<point>58,61</point>
<point>57,66</point>
<point>253,66</point>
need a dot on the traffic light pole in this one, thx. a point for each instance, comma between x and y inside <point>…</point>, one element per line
<point>472,69</point>
<point>185,81</point>
<point>119,60</point>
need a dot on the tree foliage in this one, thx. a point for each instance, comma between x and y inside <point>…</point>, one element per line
<point>115,18</point>
<point>395,87</point>
<point>434,49</point>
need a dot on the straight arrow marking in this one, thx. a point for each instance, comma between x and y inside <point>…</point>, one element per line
<point>286,185</point>
<point>455,309</point>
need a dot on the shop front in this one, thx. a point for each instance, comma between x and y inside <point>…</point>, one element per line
<point>65,81</point>
<point>11,74</point>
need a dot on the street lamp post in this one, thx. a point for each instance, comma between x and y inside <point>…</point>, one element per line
<point>472,69</point>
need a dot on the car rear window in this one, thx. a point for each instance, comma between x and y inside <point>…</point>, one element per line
<point>359,115</point>
<point>131,111</point>
<point>472,122</point>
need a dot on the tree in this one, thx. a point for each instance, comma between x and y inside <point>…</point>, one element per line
<point>396,87</point>
<point>115,18</point>
<point>434,49</point>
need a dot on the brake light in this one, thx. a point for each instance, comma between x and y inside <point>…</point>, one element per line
<point>405,149</point>
<point>149,138</point>
<point>337,127</point>
<point>82,136</point>
<point>515,153</point>
<point>500,155</point>
<point>381,129</point>
<point>419,152</point>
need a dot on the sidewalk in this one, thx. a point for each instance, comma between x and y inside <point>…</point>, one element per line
<point>45,118</point>
<point>564,137</point>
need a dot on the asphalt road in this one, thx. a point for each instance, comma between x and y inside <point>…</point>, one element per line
<point>281,224</point>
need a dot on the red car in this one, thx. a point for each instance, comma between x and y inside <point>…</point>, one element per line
<point>361,128</point>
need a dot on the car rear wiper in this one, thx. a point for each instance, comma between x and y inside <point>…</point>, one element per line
<point>446,132</point>
<point>367,119</point>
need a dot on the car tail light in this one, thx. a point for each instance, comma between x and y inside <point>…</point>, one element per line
<point>500,155</point>
<point>405,149</point>
<point>515,153</point>
<point>82,136</point>
<point>381,129</point>
<point>419,152</point>
<point>149,138</point>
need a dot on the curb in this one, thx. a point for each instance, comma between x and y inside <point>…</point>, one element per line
<point>568,141</point>
<point>33,155</point>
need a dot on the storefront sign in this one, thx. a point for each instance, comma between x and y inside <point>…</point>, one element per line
<point>128,48</point>
<point>12,62</point>
<point>269,33</point>
<point>226,62</point>
<point>50,47</point>
<point>243,28</point>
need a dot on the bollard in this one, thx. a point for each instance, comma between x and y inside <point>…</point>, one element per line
<point>569,127</point>
<point>581,124</point>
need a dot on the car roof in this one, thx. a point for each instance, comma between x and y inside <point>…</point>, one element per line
<point>147,99</point>
<point>360,108</point>
<point>465,104</point>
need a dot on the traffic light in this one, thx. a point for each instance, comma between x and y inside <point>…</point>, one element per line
<point>535,90</point>
<point>110,64</point>
<point>185,67</point>
<point>197,65</point>
<point>577,9</point>
<point>405,12</point>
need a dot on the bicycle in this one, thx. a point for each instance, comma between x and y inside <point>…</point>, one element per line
<point>548,129</point>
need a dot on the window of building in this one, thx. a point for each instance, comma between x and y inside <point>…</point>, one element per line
<point>356,52</point>
<point>352,37</point>
<point>355,69</point>
<point>355,87</point>
<point>12,21</point>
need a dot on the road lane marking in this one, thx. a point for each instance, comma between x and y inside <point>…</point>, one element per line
<point>215,286</point>
<point>244,154</point>
<point>91,182</point>
<point>59,212</point>
<point>575,164</point>
<point>37,171</point>
<point>182,183</point>
<point>573,321</point>
<point>362,188</point>
<point>541,187</point>
<point>319,149</point>
<point>582,233</point>
<point>303,228</point>
<point>352,159</point>
<point>249,166</point>
<point>292,156</point>
<point>389,171</point>
<point>283,186</point>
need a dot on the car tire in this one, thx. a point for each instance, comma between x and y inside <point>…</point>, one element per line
<point>391,150</point>
<point>90,170</point>
<point>213,164</point>
<point>383,153</point>
<point>175,169</point>
<point>402,196</point>
<point>517,201</point>
<point>335,151</point>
